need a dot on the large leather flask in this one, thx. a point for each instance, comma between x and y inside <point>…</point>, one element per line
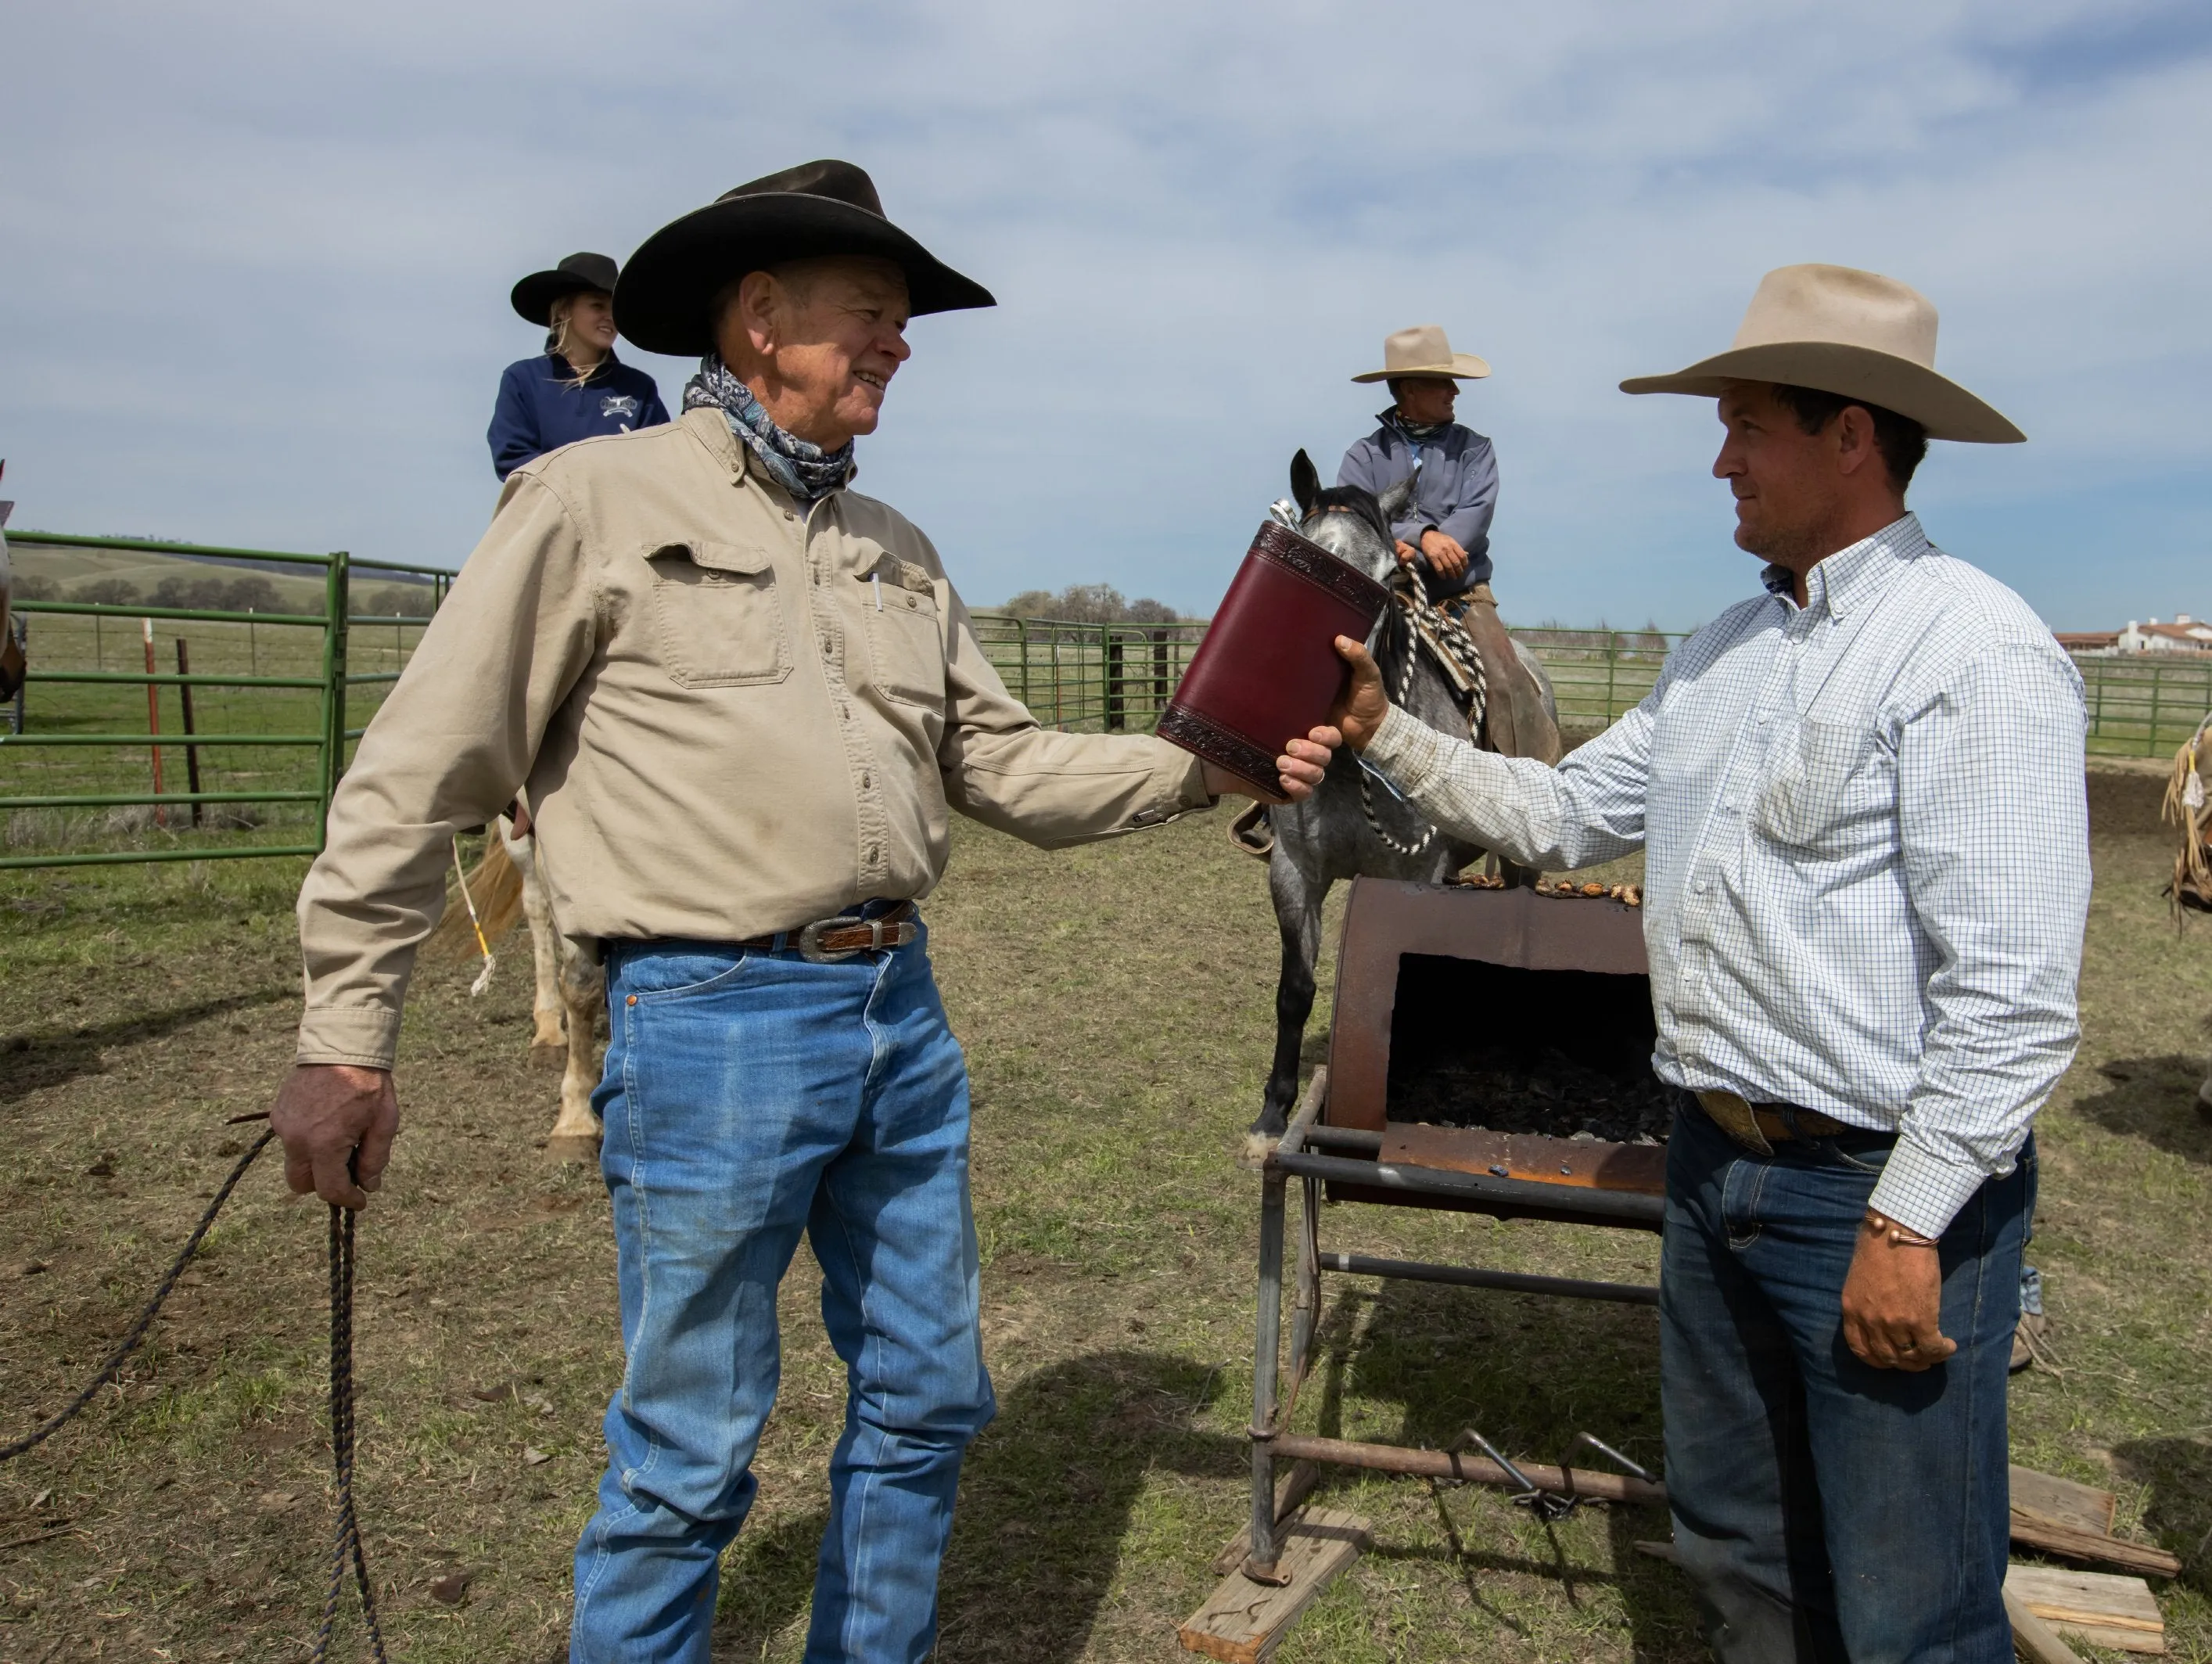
<point>1267,670</point>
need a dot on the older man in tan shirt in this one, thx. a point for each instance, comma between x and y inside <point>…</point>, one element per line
<point>743,699</point>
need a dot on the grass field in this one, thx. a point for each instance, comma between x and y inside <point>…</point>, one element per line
<point>70,642</point>
<point>1115,1002</point>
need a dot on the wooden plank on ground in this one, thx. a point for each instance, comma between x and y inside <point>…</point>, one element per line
<point>2101,1607</point>
<point>1242,1621</point>
<point>2074,1545</point>
<point>2033,1639</point>
<point>1293,1489</point>
<point>2062,1502</point>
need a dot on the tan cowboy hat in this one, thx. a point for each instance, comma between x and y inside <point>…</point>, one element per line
<point>1842,331</point>
<point>1423,350</point>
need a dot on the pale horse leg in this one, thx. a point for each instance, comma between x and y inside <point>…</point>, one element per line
<point>545,940</point>
<point>570,989</point>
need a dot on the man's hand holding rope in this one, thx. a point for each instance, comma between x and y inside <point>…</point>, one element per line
<point>1443,552</point>
<point>336,1121</point>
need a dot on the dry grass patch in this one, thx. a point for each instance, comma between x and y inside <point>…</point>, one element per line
<point>1116,1002</point>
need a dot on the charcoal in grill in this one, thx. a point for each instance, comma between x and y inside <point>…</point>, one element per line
<point>1549,1092</point>
<point>1562,1053</point>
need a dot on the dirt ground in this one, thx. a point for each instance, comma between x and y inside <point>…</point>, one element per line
<point>1115,1004</point>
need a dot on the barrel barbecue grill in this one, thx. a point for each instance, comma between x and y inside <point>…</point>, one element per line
<point>1417,1107</point>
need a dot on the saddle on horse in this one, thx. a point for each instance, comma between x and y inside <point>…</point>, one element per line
<point>1516,722</point>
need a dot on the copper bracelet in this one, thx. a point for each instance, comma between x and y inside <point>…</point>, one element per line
<point>1900,1236</point>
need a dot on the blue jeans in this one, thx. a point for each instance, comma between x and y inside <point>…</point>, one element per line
<point>1824,1509</point>
<point>749,1096</point>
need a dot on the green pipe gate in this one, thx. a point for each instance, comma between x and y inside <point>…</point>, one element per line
<point>1073,675</point>
<point>61,727</point>
<point>1115,676</point>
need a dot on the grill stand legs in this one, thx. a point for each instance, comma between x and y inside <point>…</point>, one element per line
<point>1305,1298</point>
<point>1272,1437</point>
<point>1260,1563</point>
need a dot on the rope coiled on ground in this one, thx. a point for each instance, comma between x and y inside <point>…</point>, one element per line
<point>347,1546</point>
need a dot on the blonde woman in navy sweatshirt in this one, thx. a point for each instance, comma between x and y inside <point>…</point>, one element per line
<point>576,387</point>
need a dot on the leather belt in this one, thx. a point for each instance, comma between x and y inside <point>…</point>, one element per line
<point>829,939</point>
<point>1760,1127</point>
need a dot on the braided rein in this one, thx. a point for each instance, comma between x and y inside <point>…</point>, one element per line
<point>1443,634</point>
<point>347,1546</point>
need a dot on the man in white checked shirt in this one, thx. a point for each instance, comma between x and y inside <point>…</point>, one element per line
<point>1860,800</point>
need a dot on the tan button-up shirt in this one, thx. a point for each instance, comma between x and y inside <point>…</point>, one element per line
<point>732,715</point>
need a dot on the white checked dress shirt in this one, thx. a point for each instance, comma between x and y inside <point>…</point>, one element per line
<point>1867,862</point>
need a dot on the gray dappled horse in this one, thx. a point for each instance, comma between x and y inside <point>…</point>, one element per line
<point>1342,831</point>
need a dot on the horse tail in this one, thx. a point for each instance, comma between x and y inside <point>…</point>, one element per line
<point>496,887</point>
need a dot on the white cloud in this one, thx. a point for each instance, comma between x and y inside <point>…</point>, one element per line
<point>258,258</point>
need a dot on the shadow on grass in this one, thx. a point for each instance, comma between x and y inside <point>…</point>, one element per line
<point>2154,1099</point>
<point>50,1056</point>
<point>768,1580</point>
<point>2178,1513</point>
<point>1046,1497</point>
<point>1529,1373</point>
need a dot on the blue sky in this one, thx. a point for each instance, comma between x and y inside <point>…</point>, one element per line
<point>257,259</point>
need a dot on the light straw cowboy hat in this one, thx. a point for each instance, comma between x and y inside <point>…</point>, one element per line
<point>1841,330</point>
<point>1423,350</point>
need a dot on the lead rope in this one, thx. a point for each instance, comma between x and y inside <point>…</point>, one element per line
<point>348,1544</point>
<point>1427,624</point>
<point>136,1333</point>
<point>483,977</point>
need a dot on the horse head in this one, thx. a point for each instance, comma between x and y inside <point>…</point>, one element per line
<point>1350,523</point>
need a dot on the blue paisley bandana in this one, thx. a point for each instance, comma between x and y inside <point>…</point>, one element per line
<point>1419,433</point>
<point>804,469</point>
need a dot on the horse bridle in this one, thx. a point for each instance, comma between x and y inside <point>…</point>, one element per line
<point>1426,626</point>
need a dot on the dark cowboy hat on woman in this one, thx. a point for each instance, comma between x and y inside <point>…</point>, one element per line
<point>666,299</point>
<point>534,295</point>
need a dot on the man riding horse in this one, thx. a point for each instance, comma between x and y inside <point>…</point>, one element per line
<point>1444,478</point>
<point>1443,532</point>
<point>743,698</point>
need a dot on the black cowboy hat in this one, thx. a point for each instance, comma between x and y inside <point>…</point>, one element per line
<point>666,294</point>
<point>534,295</point>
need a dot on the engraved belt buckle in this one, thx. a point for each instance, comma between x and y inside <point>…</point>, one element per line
<point>882,934</point>
<point>809,939</point>
<point>1733,1116</point>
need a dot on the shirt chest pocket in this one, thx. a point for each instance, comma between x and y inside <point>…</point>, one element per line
<point>906,647</point>
<point>718,619</point>
<point>1819,786</point>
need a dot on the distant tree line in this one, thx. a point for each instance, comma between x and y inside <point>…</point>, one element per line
<point>214,595</point>
<point>219,595</point>
<point>402,600</point>
<point>1090,603</point>
<point>1603,639</point>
